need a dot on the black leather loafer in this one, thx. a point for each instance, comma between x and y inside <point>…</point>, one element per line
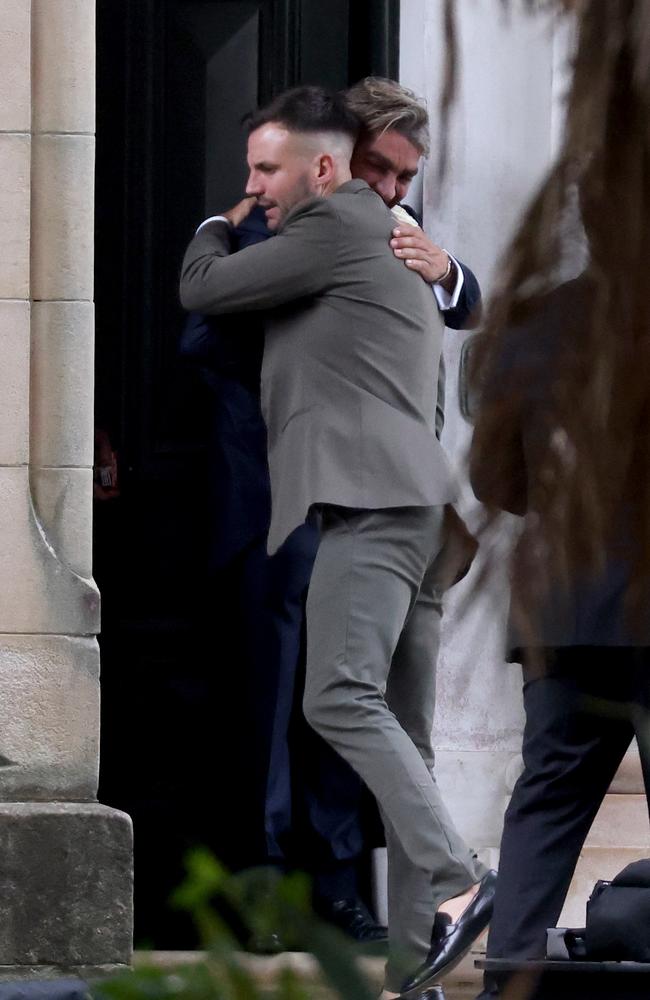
<point>450,942</point>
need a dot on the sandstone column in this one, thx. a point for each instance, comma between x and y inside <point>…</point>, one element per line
<point>65,876</point>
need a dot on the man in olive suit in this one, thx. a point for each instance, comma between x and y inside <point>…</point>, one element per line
<point>349,388</point>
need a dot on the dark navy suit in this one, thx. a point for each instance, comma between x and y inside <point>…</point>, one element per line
<point>308,787</point>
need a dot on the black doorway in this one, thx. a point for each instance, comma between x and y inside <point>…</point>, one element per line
<point>174,78</point>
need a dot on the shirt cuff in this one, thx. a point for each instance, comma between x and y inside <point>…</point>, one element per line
<point>449,300</point>
<point>217,218</point>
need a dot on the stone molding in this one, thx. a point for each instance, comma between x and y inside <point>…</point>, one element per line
<point>46,319</point>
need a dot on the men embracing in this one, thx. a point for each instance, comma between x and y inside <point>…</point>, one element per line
<point>349,388</point>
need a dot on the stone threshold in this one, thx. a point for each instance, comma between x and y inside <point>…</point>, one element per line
<point>463,983</point>
<point>16,973</point>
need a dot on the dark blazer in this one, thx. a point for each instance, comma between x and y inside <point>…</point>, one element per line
<point>230,365</point>
<point>228,351</point>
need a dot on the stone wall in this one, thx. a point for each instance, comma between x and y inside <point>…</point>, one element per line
<point>49,605</point>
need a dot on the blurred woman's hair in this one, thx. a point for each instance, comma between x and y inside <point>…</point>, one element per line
<point>601,383</point>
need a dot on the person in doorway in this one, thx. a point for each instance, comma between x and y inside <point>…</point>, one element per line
<point>309,806</point>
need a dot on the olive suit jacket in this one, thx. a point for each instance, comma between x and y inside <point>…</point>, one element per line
<point>350,370</point>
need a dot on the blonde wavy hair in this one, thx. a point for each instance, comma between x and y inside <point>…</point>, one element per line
<point>383,104</point>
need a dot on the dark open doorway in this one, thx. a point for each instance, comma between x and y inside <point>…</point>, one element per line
<point>174,79</point>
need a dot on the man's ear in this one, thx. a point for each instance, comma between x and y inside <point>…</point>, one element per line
<point>325,169</point>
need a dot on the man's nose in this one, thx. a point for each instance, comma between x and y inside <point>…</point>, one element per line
<point>253,186</point>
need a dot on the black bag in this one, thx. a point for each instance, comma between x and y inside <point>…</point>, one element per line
<point>618,917</point>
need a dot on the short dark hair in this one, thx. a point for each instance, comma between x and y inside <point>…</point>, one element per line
<point>309,109</point>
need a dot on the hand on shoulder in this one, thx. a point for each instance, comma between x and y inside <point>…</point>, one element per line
<point>419,253</point>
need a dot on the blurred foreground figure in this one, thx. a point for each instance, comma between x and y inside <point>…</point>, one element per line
<point>584,655</point>
<point>562,437</point>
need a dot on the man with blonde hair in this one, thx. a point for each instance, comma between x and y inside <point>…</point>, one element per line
<point>394,137</point>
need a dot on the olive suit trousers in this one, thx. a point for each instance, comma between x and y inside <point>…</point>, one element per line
<point>373,628</point>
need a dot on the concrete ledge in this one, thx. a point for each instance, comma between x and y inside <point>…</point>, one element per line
<point>594,863</point>
<point>622,821</point>
<point>629,778</point>
<point>19,973</point>
<point>66,884</point>
<point>461,984</point>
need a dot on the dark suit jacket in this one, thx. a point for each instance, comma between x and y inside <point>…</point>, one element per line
<point>230,366</point>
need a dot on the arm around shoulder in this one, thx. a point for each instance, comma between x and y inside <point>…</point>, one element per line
<point>211,240</point>
<point>296,263</point>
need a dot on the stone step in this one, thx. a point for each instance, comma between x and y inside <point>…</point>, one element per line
<point>462,984</point>
<point>620,835</point>
<point>629,777</point>
<point>622,820</point>
<point>595,863</point>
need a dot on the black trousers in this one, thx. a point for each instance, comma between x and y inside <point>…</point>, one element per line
<point>309,798</point>
<point>581,716</point>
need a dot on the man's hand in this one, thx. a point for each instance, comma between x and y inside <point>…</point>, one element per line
<point>414,247</point>
<point>240,212</point>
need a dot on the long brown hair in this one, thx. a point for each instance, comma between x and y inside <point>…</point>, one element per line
<point>601,380</point>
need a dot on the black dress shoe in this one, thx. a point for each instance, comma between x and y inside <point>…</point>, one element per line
<point>450,942</point>
<point>353,918</point>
